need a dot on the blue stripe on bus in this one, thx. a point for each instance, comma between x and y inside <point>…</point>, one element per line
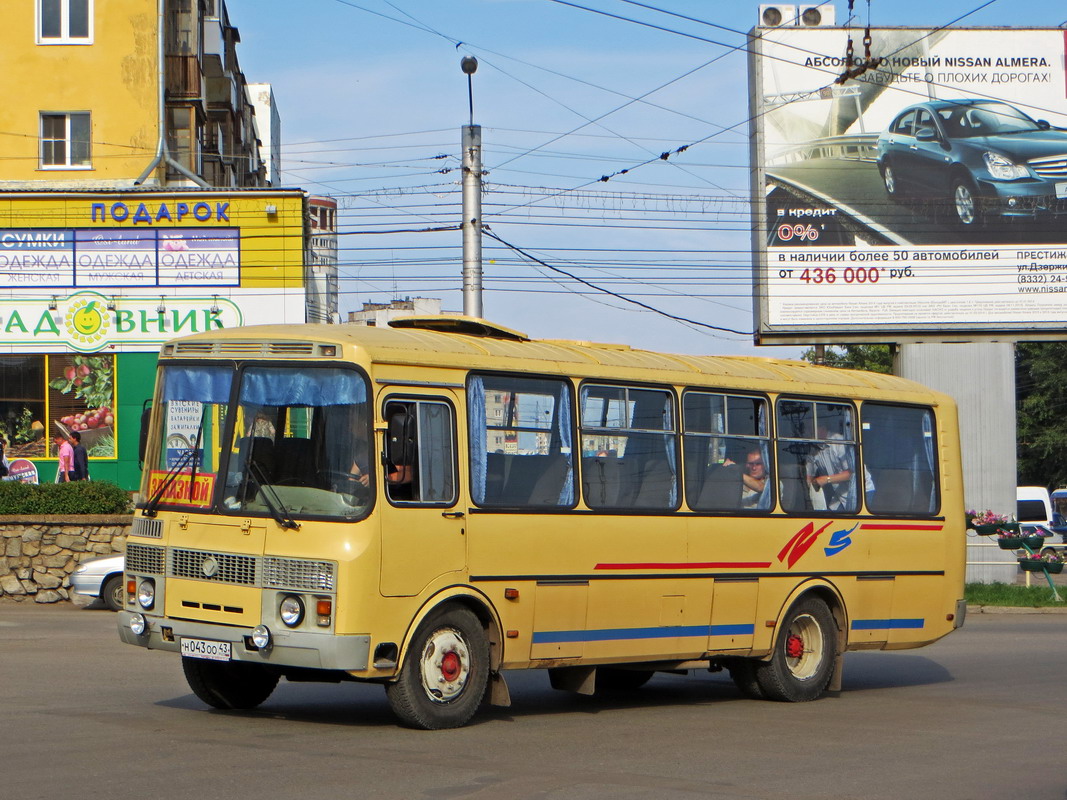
<point>664,632</point>
<point>886,624</point>
<point>733,630</point>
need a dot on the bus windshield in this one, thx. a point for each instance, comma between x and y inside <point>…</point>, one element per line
<point>288,442</point>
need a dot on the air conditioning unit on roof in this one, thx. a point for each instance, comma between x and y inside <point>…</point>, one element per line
<point>811,15</point>
<point>777,16</point>
<point>815,15</point>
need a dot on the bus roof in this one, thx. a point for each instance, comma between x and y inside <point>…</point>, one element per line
<point>468,343</point>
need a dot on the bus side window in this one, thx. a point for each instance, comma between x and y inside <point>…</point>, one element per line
<point>638,425</point>
<point>419,457</point>
<point>520,442</point>
<point>899,454</point>
<point>817,457</point>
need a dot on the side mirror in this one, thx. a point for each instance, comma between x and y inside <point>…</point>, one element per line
<point>142,443</point>
<point>401,439</point>
<point>926,135</point>
<point>1043,124</point>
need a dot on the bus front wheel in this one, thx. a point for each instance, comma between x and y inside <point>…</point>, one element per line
<point>804,655</point>
<point>229,684</point>
<point>445,672</point>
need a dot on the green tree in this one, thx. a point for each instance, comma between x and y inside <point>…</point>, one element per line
<point>1041,425</point>
<point>869,357</point>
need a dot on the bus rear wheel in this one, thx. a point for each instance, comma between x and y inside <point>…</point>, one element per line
<point>743,673</point>
<point>229,684</point>
<point>444,675</point>
<point>804,654</point>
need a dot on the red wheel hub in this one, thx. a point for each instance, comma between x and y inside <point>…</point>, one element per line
<point>794,646</point>
<point>450,666</point>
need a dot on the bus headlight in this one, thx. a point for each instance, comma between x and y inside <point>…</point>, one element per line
<point>261,637</point>
<point>137,624</point>
<point>291,610</point>
<point>146,594</point>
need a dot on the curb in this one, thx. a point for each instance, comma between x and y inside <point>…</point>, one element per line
<point>1016,609</point>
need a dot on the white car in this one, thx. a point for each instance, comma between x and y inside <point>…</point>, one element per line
<point>101,577</point>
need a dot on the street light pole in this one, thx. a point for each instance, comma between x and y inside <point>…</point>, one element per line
<point>472,203</point>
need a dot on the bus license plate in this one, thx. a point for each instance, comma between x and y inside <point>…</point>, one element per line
<point>204,648</point>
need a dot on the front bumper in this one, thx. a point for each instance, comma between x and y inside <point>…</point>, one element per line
<point>86,584</point>
<point>307,650</point>
<point>1034,198</point>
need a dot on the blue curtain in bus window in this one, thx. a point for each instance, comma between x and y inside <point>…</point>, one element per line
<point>928,449</point>
<point>476,425</point>
<point>436,459</point>
<point>563,421</point>
<point>202,384</point>
<point>671,444</point>
<point>290,386</point>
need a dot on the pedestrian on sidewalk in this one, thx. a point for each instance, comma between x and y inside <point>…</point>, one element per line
<point>80,458</point>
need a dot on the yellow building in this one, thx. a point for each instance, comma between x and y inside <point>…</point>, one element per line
<point>135,205</point>
<point>106,93</point>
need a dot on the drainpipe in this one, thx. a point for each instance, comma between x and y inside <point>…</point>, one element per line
<point>162,154</point>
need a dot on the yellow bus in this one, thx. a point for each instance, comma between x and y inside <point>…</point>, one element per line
<point>428,505</point>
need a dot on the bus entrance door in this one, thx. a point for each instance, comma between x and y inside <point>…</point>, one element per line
<point>423,527</point>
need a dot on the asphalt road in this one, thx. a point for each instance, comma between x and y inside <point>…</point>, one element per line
<point>976,715</point>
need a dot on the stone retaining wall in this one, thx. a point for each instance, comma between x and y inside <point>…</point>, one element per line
<point>39,553</point>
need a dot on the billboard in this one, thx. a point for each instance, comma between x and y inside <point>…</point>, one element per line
<point>924,199</point>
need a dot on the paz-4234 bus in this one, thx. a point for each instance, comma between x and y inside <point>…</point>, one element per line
<point>431,505</point>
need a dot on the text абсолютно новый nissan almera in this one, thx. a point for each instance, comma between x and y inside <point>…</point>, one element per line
<point>987,159</point>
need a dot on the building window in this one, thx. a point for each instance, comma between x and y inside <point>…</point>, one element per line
<point>64,21</point>
<point>65,141</point>
<point>42,395</point>
<point>182,137</point>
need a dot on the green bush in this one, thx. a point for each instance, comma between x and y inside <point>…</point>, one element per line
<point>77,497</point>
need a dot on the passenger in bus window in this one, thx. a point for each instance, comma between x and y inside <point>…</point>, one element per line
<point>830,471</point>
<point>754,492</point>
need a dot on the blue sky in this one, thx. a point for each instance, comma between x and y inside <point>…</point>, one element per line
<point>372,100</point>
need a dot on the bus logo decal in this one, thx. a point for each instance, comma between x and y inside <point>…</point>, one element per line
<point>839,541</point>
<point>800,543</point>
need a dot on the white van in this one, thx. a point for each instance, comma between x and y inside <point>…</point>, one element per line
<point>1033,504</point>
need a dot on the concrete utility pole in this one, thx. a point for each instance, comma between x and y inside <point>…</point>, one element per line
<point>472,203</point>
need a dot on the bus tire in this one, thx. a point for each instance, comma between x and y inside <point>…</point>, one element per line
<point>804,654</point>
<point>445,672</point>
<point>743,674</point>
<point>229,684</point>
<point>609,679</point>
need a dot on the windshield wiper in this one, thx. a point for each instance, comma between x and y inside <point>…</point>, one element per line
<point>149,508</point>
<point>277,508</point>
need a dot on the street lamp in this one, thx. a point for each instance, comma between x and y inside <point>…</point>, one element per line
<point>472,202</point>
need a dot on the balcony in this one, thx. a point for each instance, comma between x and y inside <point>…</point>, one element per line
<point>184,79</point>
<point>214,48</point>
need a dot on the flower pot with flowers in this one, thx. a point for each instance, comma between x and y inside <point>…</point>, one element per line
<point>1017,541</point>
<point>1036,562</point>
<point>986,523</point>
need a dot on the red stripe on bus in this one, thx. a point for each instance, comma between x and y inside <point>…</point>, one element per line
<point>697,565</point>
<point>870,526</point>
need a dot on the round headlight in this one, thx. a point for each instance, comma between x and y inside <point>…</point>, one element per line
<point>261,637</point>
<point>137,624</point>
<point>291,611</point>
<point>146,594</point>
